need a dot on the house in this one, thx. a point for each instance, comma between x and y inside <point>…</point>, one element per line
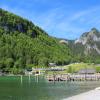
<point>52,64</point>
<point>57,69</point>
<point>28,71</point>
<point>87,71</point>
<point>36,71</point>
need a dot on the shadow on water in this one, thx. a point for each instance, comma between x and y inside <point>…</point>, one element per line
<point>11,88</point>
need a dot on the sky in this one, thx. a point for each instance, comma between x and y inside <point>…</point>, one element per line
<point>67,19</point>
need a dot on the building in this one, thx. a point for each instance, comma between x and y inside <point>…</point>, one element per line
<point>52,64</point>
<point>87,71</point>
<point>28,71</point>
<point>37,71</point>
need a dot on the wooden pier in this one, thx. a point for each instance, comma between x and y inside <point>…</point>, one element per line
<point>73,77</point>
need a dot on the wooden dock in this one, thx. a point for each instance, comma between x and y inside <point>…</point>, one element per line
<point>73,77</point>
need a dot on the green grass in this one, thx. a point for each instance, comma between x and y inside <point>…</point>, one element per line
<point>75,67</point>
<point>78,66</point>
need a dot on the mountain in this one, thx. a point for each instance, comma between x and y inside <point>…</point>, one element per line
<point>24,45</point>
<point>87,46</point>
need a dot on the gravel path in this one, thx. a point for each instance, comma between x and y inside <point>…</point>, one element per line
<point>91,95</point>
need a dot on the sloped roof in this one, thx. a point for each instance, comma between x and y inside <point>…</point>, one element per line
<point>87,71</point>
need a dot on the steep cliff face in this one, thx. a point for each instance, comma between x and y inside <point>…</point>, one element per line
<point>87,47</point>
<point>90,42</point>
<point>10,22</point>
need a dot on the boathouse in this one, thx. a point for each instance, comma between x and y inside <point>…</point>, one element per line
<point>87,71</point>
<point>37,71</point>
<point>52,64</point>
<point>28,71</point>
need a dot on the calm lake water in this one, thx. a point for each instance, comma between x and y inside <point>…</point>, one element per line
<point>11,88</point>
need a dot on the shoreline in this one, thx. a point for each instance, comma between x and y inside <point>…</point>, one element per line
<point>90,95</point>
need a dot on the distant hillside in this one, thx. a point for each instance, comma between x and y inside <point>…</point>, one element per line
<point>25,45</point>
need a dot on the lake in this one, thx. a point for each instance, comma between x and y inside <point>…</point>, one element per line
<point>11,88</point>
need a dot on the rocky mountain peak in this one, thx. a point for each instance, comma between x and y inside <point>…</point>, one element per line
<point>87,37</point>
<point>63,41</point>
<point>90,41</point>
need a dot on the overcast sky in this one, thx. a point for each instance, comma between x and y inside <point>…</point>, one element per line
<point>60,18</point>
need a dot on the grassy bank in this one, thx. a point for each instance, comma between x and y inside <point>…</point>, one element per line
<point>75,67</point>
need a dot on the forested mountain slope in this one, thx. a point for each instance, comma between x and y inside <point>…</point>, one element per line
<point>23,44</point>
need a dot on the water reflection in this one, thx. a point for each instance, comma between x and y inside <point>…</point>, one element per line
<point>11,88</point>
